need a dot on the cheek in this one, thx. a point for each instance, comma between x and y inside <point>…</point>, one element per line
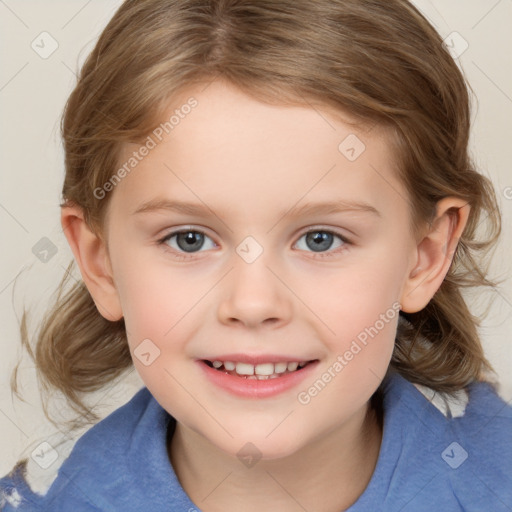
<point>160,308</point>
<point>355,297</point>
<point>155,298</point>
<point>359,311</point>
<point>359,357</point>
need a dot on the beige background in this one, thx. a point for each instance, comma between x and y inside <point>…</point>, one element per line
<point>32,94</point>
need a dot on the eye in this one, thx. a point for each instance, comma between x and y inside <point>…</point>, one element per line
<point>321,240</point>
<point>186,241</point>
<point>190,241</point>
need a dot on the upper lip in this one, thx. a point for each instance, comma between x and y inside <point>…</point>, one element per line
<point>257,358</point>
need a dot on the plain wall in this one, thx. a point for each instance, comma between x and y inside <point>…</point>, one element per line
<point>33,91</point>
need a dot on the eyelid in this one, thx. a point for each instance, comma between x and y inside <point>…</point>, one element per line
<point>310,229</point>
<point>346,243</point>
<point>184,229</point>
<point>301,232</point>
<point>327,229</point>
<point>182,255</point>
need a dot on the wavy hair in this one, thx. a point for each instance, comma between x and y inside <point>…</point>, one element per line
<point>379,60</point>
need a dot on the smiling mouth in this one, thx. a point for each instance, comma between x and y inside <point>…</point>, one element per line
<point>260,371</point>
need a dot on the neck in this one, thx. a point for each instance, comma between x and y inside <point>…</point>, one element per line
<point>330,473</point>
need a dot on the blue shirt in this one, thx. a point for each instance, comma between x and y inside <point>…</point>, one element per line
<point>428,461</point>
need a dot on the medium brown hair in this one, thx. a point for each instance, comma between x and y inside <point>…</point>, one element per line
<point>378,60</point>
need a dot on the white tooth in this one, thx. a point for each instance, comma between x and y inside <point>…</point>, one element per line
<point>280,367</point>
<point>252,377</point>
<point>229,365</point>
<point>303,363</point>
<point>217,364</point>
<point>274,376</point>
<point>291,366</point>
<point>244,368</point>
<point>264,369</point>
<point>262,377</point>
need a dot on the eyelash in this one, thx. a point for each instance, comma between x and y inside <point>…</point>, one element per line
<point>183,256</point>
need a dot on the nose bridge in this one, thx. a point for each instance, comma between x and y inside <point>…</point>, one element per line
<point>252,294</point>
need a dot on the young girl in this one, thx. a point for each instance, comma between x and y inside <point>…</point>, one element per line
<point>274,213</point>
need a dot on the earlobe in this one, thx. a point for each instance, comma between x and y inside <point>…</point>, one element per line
<point>434,254</point>
<point>91,255</point>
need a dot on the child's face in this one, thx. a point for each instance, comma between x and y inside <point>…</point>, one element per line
<point>254,284</point>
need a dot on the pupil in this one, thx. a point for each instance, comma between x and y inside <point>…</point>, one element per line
<point>189,241</point>
<point>320,240</point>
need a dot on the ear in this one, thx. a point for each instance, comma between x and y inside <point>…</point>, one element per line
<point>91,254</point>
<point>434,254</point>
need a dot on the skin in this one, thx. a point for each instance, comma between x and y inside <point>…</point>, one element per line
<point>250,162</point>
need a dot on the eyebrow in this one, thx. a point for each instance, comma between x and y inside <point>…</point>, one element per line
<point>202,210</point>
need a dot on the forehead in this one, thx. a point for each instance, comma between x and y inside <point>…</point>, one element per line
<point>236,152</point>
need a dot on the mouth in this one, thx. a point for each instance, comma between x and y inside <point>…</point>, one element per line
<point>261,371</point>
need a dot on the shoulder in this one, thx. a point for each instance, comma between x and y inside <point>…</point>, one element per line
<point>15,494</point>
<point>456,445</point>
<point>91,458</point>
<point>483,436</point>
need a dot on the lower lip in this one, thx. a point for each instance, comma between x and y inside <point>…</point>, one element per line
<point>254,388</point>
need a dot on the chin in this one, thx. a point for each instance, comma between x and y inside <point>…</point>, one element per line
<point>261,448</point>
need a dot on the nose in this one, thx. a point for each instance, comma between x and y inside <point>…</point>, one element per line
<point>253,296</point>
